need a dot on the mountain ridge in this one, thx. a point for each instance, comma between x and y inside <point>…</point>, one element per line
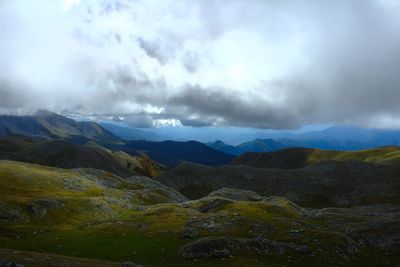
<point>46,124</point>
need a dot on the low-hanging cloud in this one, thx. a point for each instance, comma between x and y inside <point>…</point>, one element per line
<point>265,64</point>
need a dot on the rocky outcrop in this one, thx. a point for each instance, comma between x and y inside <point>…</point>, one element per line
<point>40,207</point>
<point>155,191</point>
<point>375,225</point>
<point>12,214</point>
<point>236,194</point>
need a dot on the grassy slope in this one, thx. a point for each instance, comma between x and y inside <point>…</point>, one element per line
<point>86,194</point>
<point>97,221</point>
<point>60,153</point>
<point>294,158</point>
<point>384,155</point>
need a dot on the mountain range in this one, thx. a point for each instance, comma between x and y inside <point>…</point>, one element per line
<point>55,127</point>
<point>341,137</point>
<point>334,138</point>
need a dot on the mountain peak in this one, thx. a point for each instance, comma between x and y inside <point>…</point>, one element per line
<point>45,113</point>
<point>218,142</point>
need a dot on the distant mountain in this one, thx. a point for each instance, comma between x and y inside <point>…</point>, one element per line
<point>221,146</point>
<point>60,153</point>
<point>129,133</point>
<point>268,145</point>
<point>345,138</point>
<point>371,137</point>
<point>260,145</point>
<point>172,152</point>
<point>46,124</point>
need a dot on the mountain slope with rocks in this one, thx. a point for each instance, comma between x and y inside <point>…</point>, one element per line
<point>88,213</point>
<point>325,183</point>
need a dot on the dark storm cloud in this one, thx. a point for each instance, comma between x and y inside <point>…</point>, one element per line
<point>220,106</point>
<point>283,64</point>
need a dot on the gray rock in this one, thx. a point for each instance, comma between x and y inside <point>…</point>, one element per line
<point>74,184</point>
<point>189,233</point>
<point>236,194</point>
<point>305,250</point>
<point>39,207</point>
<point>212,204</point>
<point>12,214</point>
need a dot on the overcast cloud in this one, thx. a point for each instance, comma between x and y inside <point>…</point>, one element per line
<point>264,64</point>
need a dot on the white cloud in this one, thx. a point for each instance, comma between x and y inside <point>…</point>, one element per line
<point>254,63</point>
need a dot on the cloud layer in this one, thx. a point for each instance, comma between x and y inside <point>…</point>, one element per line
<point>265,64</point>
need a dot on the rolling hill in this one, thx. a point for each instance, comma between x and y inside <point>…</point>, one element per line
<point>88,194</point>
<point>60,153</point>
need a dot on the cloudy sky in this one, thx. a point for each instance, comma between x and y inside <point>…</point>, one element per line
<point>246,63</point>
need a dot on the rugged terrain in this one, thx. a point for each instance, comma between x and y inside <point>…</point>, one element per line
<point>56,128</point>
<point>87,213</point>
<point>323,184</point>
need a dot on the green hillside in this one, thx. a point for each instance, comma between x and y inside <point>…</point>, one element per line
<point>94,214</point>
<point>38,194</point>
<point>60,153</point>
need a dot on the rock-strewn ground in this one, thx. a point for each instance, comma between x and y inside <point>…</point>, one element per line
<point>87,213</point>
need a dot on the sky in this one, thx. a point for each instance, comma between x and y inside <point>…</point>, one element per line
<point>262,64</point>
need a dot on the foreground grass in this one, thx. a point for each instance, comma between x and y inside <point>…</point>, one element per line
<point>101,217</point>
<point>163,251</point>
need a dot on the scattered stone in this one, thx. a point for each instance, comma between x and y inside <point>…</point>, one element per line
<point>12,214</point>
<point>189,233</point>
<point>73,184</point>
<point>212,204</point>
<point>305,250</point>
<point>236,194</point>
<point>220,247</point>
